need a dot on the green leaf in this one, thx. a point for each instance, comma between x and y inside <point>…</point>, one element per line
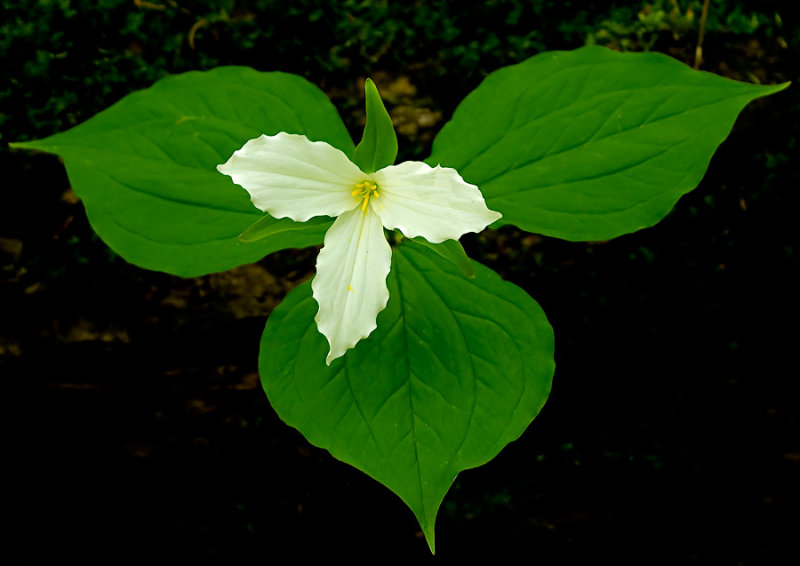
<point>590,144</point>
<point>452,251</point>
<point>378,146</point>
<point>456,369</point>
<point>266,226</point>
<point>146,167</point>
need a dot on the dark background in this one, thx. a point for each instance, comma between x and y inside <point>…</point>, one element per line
<point>133,424</point>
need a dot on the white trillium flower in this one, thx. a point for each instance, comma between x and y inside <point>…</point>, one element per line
<point>290,176</point>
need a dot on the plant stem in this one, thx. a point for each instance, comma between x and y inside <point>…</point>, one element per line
<point>698,52</point>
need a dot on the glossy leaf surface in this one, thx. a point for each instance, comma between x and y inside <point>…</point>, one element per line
<point>590,144</point>
<point>456,369</point>
<point>146,167</point>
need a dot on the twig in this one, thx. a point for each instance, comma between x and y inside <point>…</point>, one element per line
<point>197,25</point>
<point>698,53</point>
<point>149,5</point>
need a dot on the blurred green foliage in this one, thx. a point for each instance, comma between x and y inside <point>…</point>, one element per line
<point>644,26</point>
<point>65,60</point>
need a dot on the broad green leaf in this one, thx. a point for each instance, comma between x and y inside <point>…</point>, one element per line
<point>378,146</point>
<point>456,369</point>
<point>590,144</point>
<point>146,167</point>
<point>452,251</point>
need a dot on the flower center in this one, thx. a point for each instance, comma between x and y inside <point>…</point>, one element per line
<point>365,190</point>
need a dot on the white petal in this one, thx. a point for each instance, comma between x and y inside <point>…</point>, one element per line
<point>350,285</point>
<point>432,202</point>
<point>288,175</point>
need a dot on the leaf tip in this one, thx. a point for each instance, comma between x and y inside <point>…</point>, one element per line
<point>24,145</point>
<point>430,538</point>
<point>371,94</point>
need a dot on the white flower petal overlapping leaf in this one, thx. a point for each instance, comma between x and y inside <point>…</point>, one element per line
<point>288,175</point>
<point>350,285</point>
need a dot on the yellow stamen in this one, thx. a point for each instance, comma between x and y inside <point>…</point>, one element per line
<point>365,190</point>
